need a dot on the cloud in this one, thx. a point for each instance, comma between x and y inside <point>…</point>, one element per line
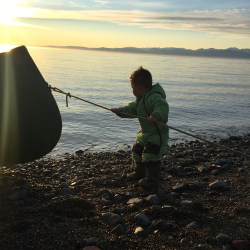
<point>228,22</point>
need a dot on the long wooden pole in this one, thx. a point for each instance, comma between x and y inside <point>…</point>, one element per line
<point>145,118</point>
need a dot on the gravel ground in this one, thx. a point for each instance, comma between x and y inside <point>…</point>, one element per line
<point>202,201</point>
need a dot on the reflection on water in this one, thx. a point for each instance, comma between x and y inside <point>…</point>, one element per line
<point>208,97</point>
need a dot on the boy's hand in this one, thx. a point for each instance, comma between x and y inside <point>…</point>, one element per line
<point>152,119</point>
<point>116,111</point>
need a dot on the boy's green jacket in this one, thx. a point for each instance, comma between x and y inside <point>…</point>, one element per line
<point>153,103</point>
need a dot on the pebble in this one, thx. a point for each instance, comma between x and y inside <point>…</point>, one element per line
<point>240,244</point>
<point>112,219</point>
<point>193,225</point>
<point>153,200</point>
<point>137,201</point>
<point>179,187</point>
<point>198,205</point>
<point>105,202</point>
<point>66,191</point>
<point>102,192</point>
<point>140,232</point>
<point>142,220</point>
<point>161,192</point>
<point>223,238</point>
<point>185,241</point>
<point>118,197</point>
<point>132,207</point>
<point>217,185</point>
<point>119,230</point>
<point>162,226</point>
<point>186,203</point>
<point>203,169</point>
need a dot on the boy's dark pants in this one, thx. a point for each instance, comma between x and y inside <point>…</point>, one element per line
<point>149,169</point>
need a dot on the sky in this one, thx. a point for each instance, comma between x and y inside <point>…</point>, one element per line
<point>190,24</point>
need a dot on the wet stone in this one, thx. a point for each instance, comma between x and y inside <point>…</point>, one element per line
<point>102,192</point>
<point>132,207</point>
<point>179,187</point>
<point>240,244</point>
<point>119,230</point>
<point>66,191</point>
<point>137,201</point>
<point>203,169</point>
<point>161,226</point>
<point>111,218</point>
<point>217,185</point>
<point>142,220</point>
<point>140,232</point>
<point>105,202</point>
<point>161,192</point>
<point>153,200</point>
<point>224,239</point>
<point>193,225</point>
<point>118,197</point>
<point>186,203</point>
<point>198,205</point>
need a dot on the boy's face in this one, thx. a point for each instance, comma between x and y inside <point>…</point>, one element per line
<point>137,89</point>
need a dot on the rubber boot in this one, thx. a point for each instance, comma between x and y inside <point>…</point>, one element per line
<point>140,171</point>
<point>153,175</point>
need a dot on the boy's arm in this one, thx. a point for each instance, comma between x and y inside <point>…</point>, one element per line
<point>160,108</point>
<point>129,109</point>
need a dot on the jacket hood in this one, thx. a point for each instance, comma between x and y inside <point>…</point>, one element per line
<point>157,88</point>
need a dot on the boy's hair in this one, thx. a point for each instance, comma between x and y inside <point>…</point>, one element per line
<point>142,76</point>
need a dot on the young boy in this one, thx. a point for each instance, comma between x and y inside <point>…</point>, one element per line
<point>152,139</point>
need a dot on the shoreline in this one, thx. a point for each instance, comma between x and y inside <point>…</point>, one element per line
<point>79,200</point>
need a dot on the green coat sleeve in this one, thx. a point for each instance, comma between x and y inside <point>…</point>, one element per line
<point>160,107</point>
<point>130,108</point>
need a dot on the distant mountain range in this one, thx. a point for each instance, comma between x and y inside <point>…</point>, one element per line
<point>225,53</point>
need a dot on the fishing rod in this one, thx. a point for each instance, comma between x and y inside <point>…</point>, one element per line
<point>144,118</point>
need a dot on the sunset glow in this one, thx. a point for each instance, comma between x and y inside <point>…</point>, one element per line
<point>91,23</point>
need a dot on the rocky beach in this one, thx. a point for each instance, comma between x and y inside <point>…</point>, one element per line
<point>84,201</point>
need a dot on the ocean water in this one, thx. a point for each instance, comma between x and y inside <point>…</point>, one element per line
<point>208,97</point>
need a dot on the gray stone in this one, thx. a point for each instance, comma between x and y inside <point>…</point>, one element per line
<point>193,225</point>
<point>112,219</point>
<point>119,230</point>
<point>142,220</point>
<point>167,209</point>
<point>102,192</point>
<point>118,197</point>
<point>189,169</point>
<point>140,232</point>
<point>136,201</point>
<point>186,203</point>
<point>217,185</point>
<point>64,185</point>
<point>173,171</point>
<point>227,247</point>
<point>66,191</point>
<point>203,169</point>
<point>161,192</point>
<point>162,226</point>
<point>224,239</point>
<point>18,195</point>
<point>106,203</point>
<point>179,187</point>
<point>153,200</point>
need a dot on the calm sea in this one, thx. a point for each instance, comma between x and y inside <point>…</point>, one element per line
<point>208,97</point>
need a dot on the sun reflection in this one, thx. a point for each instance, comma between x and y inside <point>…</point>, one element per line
<point>6,47</point>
